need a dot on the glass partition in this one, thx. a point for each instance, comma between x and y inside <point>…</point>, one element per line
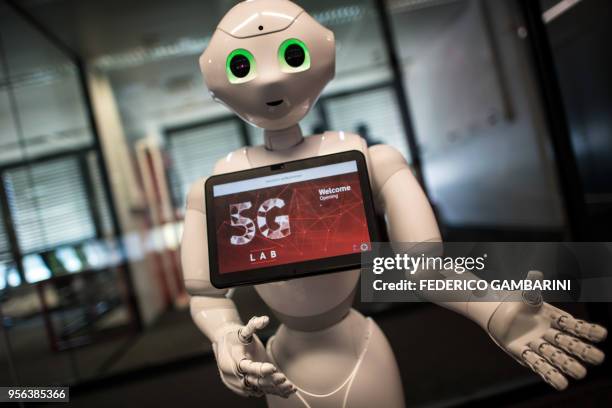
<point>477,118</point>
<point>63,276</point>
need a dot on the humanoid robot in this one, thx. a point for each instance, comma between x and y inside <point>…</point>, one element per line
<point>268,61</point>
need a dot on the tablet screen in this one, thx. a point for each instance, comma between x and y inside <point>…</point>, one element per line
<point>290,217</point>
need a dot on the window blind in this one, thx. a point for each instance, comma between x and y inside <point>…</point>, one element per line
<point>194,151</point>
<point>48,204</point>
<point>376,111</point>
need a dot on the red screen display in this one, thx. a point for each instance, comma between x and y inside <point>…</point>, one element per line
<point>302,215</point>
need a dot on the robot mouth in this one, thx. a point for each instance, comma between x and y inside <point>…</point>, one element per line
<point>274,103</point>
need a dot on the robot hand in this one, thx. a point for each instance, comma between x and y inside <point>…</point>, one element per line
<point>241,358</point>
<point>545,338</point>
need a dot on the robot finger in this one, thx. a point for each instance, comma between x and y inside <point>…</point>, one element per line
<point>548,373</point>
<point>246,366</point>
<point>558,358</point>
<point>284,390</point>
<point>278,378</point>
<point>251,388</point>
<point>274,391</point>
<point>580,328</point>
<point>287,387</point>
<point>245,334</point>
<point>265,382</point>
<point>574,346</point>
<point>267,386</point>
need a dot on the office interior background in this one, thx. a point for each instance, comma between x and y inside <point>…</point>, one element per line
<point>502,107</point>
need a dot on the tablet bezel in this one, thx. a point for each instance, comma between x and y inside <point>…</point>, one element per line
<point>297,269</point>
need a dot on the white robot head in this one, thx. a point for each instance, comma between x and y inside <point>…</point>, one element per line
<point>268,61</point>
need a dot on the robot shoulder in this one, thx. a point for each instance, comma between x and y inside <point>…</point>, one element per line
<point>233,161</point>
<point>340,141</point>
<point>384,162</point>
<point>195,196</point>
<point>194,252</point>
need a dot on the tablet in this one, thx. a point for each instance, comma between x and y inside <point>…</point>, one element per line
<point>289,220</point>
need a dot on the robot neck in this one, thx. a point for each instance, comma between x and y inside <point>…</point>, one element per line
<point>283,138</point>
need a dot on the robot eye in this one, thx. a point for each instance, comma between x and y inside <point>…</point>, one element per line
<point>293,56</point>
<point>240,66</point>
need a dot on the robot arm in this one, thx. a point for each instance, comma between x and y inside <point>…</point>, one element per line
<point>536,334</point>
<point>211,310</point>
<point>410,219</point>
<point>409,216</point>
<point>240,355</point>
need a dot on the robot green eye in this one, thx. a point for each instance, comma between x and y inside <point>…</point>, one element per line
<point>293,56</point>
<point>240,66</point>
